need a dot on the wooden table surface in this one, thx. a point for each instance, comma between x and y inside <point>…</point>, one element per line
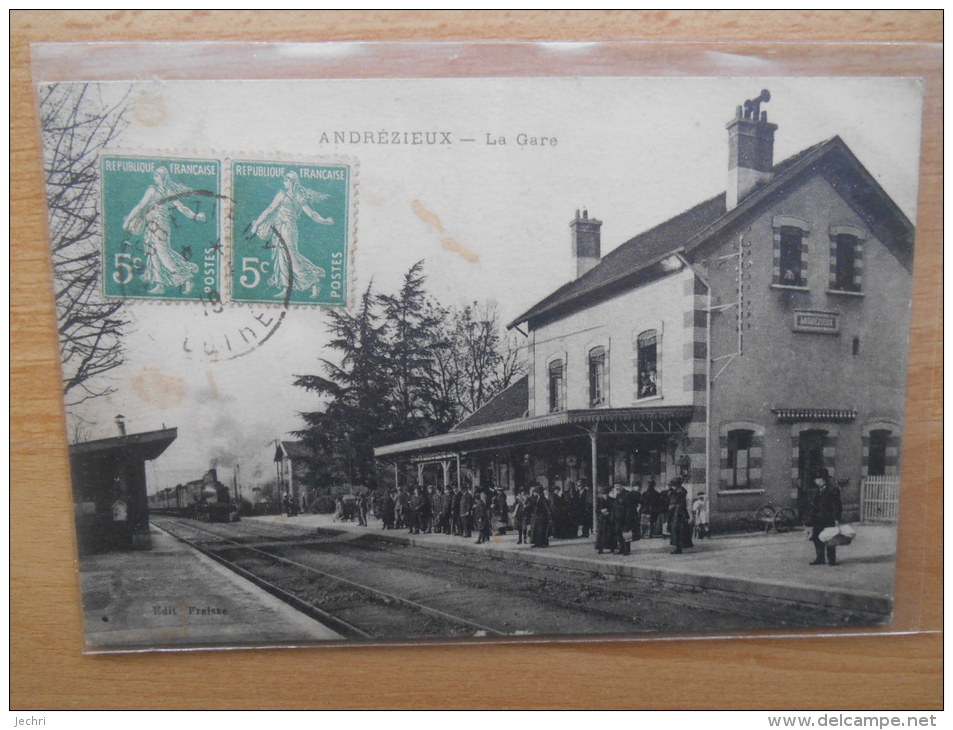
<point>48,671</point>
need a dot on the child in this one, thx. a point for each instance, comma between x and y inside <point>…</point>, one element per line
<point>700,516</point>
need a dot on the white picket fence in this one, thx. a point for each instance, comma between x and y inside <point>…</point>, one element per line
<point>879,499</point>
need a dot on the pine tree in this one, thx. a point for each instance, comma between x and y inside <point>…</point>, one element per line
<point>357,389</point>
<point>412,335</point>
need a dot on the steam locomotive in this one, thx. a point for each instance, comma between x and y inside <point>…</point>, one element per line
<point>205,499</point>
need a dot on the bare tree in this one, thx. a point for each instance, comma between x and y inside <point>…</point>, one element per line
<point>77,124</point>
<point>478,363</point>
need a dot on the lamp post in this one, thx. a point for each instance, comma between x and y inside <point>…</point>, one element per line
<point>594,443</point>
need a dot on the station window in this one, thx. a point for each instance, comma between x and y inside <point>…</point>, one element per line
<point>647,351</point>
<point>556,386</point>
<point>844,263</point>
<point>739,457</point>
<point>790,258</point>
<point>597,377</point>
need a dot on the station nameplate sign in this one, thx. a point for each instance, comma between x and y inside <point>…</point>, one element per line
<point>811,320</point>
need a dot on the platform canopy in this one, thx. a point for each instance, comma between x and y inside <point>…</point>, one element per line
<point>552,426</point>
<point>144,446</point>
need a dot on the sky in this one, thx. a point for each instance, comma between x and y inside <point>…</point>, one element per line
<point>633,151</point>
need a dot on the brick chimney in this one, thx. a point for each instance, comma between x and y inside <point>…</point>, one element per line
<point>586,242</point>
<point>750,149</point>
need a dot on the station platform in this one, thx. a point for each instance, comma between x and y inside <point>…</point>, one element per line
<point>174,597</point>
<point>766,564</point>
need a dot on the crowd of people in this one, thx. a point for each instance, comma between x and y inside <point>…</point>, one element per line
<point>623,513</point>
<point>652,513</point>
<point>536,514</point>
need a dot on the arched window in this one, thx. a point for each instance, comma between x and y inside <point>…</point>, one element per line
<point>648,363</point>
<point>845,260</point>
<point>739,458</point>
<point>557,383</point>
<point>847,250</point>
<point>790,251</point>
<point>790,257</point>
<point>597,377</point>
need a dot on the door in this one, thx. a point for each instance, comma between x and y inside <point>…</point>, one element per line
<point>810,461</point>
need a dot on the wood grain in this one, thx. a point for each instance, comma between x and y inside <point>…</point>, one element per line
<point>49,672</point>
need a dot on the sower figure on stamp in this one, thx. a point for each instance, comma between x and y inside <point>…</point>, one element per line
<point>825,512</point>
<point>278,223</point>
<point>152,219</point>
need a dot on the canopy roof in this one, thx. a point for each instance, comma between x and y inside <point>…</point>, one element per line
<point>145,446</point>
<point>564,424</point>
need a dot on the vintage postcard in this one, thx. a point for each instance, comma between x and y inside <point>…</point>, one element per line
<point>391,359</point>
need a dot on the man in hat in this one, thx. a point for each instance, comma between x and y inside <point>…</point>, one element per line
<point>679,517</point>
<point>654,503</point>
<point>604,508</point>
<point>619,515</point>
<point>633,511</point>
<point>825,512</point>
<point>466,518</point>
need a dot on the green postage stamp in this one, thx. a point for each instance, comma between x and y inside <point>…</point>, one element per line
<point>161,228</point>
<point>289,236</point>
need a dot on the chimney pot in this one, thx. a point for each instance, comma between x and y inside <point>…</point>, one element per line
<point>586,242</point>
<point>750,150</point>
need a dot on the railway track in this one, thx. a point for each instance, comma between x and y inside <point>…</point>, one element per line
<point>340,593</point>
<point>466,594</point>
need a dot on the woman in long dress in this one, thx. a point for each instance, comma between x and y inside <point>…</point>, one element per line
<point>539,527</point>
<point>605,537</point>
<point>152,219</point>
<point>278,223</point>
<point>680,517</point>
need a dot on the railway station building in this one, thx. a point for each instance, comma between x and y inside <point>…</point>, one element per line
<point>109,489</point>
<point>743,345</point>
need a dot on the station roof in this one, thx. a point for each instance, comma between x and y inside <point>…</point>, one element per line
<point>145,446</point>
<point>510,403</point>
<point>563,424</point>
<point>296,450</point>
<point>691,229</point>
